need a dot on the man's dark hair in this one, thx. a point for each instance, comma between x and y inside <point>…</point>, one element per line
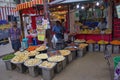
<point>58,23</point>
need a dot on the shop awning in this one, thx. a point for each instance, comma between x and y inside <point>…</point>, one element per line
<point>73,1</point>
<point>56,1</point>
<point>28,4</point>
<point>66,1</point>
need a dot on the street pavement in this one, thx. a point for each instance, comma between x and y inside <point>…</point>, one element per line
<point>92,66</point>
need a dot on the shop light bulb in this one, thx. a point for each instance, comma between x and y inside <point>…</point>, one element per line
<point>78,6</point>
<point>97,4</point>
<point>82,7</point>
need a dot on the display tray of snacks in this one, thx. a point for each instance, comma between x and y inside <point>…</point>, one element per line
<point>32,62</point>
<point>19,58</point>
<point>90,41</point>
<point>32,54</point>
<point>64,52</point>
<point>46,64</point>
<point>42,49</point>
<point>71,48</point>
<point>115,42</point>
<point>53,53</point>
<point>103,42</point>
<point>20,52</point>
<point>82,45</point>
<point>56,58</point>
<point>80,41</point>
<point>31,48</point>
<point>42,56</point>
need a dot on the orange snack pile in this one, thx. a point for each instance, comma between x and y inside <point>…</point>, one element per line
<point>115,42</point>
<point>31,48</point>
<point>90,41</point>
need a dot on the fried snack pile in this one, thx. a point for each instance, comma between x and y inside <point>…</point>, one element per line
<point>64,52</point>
<point>19,58</point>
<point>56,58</point>
<point>41,56</point>
<point>32,62</point>
<point>41,48</point>
<point>47,64</point>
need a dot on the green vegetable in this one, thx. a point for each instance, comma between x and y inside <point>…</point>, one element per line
<point>8,57</point>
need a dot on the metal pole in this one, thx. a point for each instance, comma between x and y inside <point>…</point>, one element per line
<point>21,23</point>
<point>46,16</point>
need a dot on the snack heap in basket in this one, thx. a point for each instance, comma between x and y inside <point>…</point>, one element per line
<point>47,64</point>
<point>8,57</point>
<point>64,52</point>
<point>41,48</point>
<point>32,62</point>
<point>71,48</point>
<point>83,45</point>
<point>80,40</point>
<point>90,41</point>
<point>115,42</point>
<point>19,52</point>
<point>19,58</point>
<point>31,48</point>
<point>56,58</point>
<point>32,53</point>
<point>103,42</point>
<point>42,56</point>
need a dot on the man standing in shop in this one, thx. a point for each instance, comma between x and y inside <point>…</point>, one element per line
<point>59,33</point>
<point>15,34</point>
<point>102,24</point>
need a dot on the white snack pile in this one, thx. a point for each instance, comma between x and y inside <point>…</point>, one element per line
<point>64,52</point>
<point>32,53</point>
<point>47,64</point>
<point>41,48</point>
<point>19,58</point>
<point>56,58</point>
<point>32,62</point>
<point>41,56</point>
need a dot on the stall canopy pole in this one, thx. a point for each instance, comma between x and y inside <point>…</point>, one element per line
<point>45,8</point>
<point>46,16</point>
<point>21,23</point>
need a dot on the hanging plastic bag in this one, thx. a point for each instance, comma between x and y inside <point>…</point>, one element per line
<point>54,41</point>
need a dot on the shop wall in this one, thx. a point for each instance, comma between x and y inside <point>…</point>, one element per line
<point>72,20</point>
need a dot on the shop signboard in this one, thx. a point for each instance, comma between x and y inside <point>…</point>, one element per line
<point>40,29</point>
<point>42,25</point>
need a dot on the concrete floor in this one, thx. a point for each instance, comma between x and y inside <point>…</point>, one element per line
<point>6,49</point>
<point>91,67</point>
